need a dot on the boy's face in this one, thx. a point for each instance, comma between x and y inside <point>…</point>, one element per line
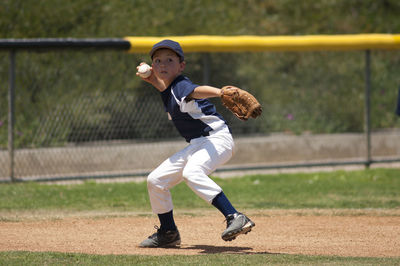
<point>166,65</point>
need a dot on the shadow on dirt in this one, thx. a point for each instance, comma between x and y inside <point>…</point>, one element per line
<point>207,249</point>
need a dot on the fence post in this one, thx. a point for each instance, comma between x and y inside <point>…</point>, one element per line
<point>11,113</point>
<point>367,111</point>
<point>206,68</point>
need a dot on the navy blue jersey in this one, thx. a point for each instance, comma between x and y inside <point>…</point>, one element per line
<point>193,118</point>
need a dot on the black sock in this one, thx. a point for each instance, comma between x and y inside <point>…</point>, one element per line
<point>167,221</point>
<point>222,203</point>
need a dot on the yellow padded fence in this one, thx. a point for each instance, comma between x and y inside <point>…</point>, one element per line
<point>251,43</point>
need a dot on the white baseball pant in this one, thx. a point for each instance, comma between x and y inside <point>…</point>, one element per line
<point>193,164</point>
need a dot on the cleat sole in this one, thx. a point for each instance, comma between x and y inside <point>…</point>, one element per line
<point>244,230</point>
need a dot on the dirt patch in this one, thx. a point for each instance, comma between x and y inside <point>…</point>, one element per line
<point>359,233</point>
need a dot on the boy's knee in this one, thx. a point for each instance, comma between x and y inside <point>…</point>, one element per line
<point>152,180</point>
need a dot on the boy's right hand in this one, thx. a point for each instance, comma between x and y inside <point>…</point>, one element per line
<point>144,70</point>
<point>152,78</point>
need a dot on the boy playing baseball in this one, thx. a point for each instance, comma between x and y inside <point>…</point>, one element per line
<point>210,145</point>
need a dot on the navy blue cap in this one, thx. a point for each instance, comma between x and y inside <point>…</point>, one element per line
<point>174,46</point>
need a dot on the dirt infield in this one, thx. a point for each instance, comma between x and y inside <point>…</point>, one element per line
<point>358,233</point>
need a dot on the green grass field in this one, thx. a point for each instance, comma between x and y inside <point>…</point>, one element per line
<point>374,188</point>
<point>51,258</point>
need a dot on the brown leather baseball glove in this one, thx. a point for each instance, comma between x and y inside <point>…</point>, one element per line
<point>240,102</point>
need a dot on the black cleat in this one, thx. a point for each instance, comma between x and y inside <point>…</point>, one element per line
<point>162,239</point>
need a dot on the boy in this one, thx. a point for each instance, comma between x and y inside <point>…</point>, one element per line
<point>210,145</point>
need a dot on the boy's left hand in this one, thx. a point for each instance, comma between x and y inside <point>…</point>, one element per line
<point>240,102</point>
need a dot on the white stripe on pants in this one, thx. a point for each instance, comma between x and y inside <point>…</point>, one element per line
<point>193,164</point>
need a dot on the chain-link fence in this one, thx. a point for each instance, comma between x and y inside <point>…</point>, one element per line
<point>86,114</point>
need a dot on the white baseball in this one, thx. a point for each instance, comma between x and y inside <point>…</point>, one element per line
<point>144,71</point>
